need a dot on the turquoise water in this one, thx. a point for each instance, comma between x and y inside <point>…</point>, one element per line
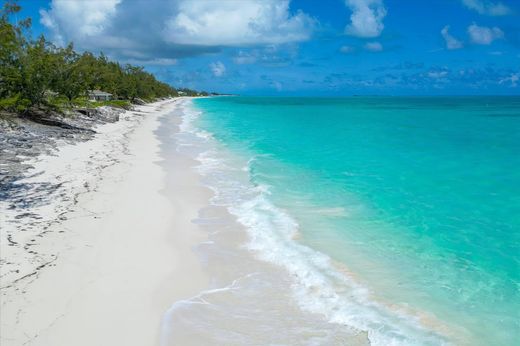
<point>416,200</point>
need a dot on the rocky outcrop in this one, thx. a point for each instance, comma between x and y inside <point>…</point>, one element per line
<point>38,133</point>
<point>138,101</point>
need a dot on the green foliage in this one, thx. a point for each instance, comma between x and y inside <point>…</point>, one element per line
<point>123,82</point>
<point>37,73</point>
<point>70,78</point>
<point>188,92</point>
<point>12,44</point>
<point>14,103</point>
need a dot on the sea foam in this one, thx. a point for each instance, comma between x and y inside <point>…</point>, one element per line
<point>318,285</point>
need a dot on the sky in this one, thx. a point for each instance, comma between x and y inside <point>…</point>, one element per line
<point>300,47</point>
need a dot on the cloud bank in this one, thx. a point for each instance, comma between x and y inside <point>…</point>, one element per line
<point>155,29</point>
<point>78,19</point>
<point>236,23</point>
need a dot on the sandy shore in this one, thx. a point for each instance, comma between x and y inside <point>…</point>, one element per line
<point>120,256</point>
<point>131,249</point>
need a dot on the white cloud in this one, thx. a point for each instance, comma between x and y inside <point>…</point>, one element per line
<point>483,34</point>
<point>217,68</point>
<point>244,58</point>
<point>513,79</point>
<point>235,23</point>
<point>374,46</point>
<point>366,18</point>
<point>346,49</point>
<point>437,74</point>
<point>486,7</point>
<point>151,29</point>
<point>451,42</point>
<point>78,19</point>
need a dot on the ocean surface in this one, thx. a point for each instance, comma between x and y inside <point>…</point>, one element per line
<point>398,216</point>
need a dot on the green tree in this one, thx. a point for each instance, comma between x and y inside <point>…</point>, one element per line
<point>88,65</point>
<point>12,44</point>
<point>30,69</point>
<point>70,79</point>
<point>39,71</point>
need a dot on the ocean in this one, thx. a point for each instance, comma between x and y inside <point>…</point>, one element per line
<point>397,216</point>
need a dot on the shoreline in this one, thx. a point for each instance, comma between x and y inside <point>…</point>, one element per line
<point>254,240</point>
<point>169,243</point>
<point>107,277</point>
<point>250,300</point>
<point>143,247</point>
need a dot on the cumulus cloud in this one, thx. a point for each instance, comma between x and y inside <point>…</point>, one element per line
<point>366,19</point>
<point>483,34</point>
<point>149,29</point>
<point>486,7</point>
<point>451,42</point>
<point>373,46</point>
<point>78,18</point>
<point>235,23</point>
<point>217,68</point>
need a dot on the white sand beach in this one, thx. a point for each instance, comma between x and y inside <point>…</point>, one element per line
<point>121,252</point>
<point>129,249</point>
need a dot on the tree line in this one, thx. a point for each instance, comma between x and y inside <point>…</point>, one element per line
<point>31,70</point>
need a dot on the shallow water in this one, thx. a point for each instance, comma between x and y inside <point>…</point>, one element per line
<point>248,301</point>
<point>396,216</point>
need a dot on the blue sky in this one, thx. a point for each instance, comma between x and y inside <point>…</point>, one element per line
<point>301,47</point>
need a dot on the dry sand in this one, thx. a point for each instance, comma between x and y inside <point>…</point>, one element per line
<point>141,256</point>
<point>122,256</point>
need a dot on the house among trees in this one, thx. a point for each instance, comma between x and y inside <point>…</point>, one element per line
<point>98,95</point>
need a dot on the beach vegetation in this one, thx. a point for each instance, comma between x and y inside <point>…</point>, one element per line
<point>35,73</point>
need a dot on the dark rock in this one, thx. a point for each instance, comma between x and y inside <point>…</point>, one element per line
<point>138,101</point>
<point>36,134</point>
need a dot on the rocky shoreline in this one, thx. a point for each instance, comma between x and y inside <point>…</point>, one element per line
<point>23,138</point>
<point>46,162</point>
